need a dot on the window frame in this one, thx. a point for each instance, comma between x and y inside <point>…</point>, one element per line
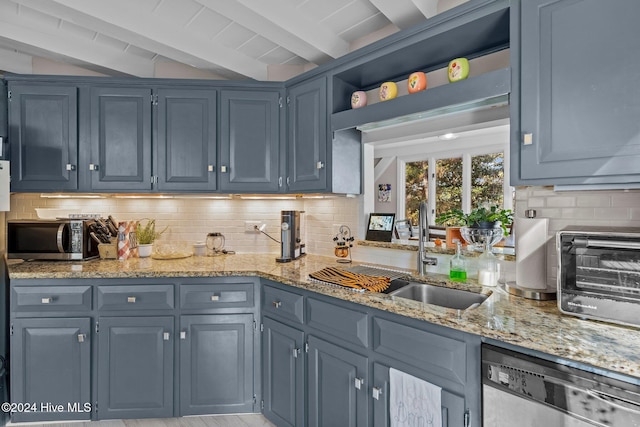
<point>466,150</point>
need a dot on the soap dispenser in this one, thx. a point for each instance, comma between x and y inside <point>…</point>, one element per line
<point>458,264</point>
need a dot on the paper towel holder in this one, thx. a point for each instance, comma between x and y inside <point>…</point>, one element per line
<point>522,291</point>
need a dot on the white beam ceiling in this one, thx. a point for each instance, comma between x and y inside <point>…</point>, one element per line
<point>235,39</point>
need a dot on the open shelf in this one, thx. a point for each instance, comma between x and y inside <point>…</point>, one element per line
<point>485,89</point>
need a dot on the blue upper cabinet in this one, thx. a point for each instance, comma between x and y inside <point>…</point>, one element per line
<point>307,136</point>
<point>250,140</point>
<point>43,132</point>
<point>576,117</point>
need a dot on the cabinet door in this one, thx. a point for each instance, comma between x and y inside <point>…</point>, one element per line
<point>43,132</point>
<point>307,136</point>
<point>186,143</point>
<point>453,408</point>
<point>216,364</point>
<point>250,141</point>
<point>120,139</point>
<point>283,374</point>
<point>337,385</point>
<point>135,367</point>
<point>50,363</point>
<point>580,97</point>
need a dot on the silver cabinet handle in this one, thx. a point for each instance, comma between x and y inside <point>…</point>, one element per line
<point>376,392</point>
<point>215,297</point>
<point>210,168</point>
<point>280,182</point>
<point>70,167</point>
<point>319,165</point>
<point>131,299</point>
<point>277,304</point>
<point>46,300</point>
<point>288,181</point>
<point>93,167</point>
<point>296,353</point>
<point>527,139</point>
<point>165,336</point>
<point>81,337</point>
<point>183,335</point>
<point>223,169</point>
<point>358,382</point>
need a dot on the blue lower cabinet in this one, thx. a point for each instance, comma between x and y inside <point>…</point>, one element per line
<point>283,380</point>
<point>216,364</point>
<point>135,367</point>
<point>337,394</point>
<point>50,369</point>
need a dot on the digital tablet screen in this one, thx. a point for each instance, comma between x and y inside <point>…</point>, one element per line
<point>380,227</point>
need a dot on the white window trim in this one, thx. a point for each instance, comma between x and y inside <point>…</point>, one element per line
<point>466,151</point>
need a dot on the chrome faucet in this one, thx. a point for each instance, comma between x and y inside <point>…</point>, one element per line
<point>423,232</point>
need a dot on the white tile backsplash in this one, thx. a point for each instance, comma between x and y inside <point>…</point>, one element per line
<point>190,219</point>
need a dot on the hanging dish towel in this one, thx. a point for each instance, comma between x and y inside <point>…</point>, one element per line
<point>413,402</point>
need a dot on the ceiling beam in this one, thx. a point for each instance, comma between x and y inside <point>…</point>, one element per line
<point>249,18</point>
<point>282,14</point>
<point>153,34</point>
<point>429,8</point>
<point>25,31</point>
<point>402,13</point>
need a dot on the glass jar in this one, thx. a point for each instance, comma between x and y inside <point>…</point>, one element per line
<point>488,270</point>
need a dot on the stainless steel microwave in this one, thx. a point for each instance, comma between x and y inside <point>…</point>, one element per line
<point>599,273</point>
<point>62,239</point>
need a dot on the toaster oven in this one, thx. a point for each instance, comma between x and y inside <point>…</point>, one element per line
<point>599,273</point>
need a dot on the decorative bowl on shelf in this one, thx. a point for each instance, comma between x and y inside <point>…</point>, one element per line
<point>479,236</point>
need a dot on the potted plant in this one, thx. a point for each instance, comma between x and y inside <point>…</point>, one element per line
<point>486,216</point>
<point>146,236</point>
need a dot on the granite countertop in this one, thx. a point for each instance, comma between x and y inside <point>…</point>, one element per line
<point>529,324</point>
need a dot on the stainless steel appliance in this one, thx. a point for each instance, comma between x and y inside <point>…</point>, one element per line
<point>61,239</point>
<point>291,246</point>
<point>599,273</point>
<point>524,391</point>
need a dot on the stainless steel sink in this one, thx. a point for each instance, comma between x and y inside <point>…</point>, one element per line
<point>438,295</point>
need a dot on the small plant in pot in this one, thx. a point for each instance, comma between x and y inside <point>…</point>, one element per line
<point>146,236</point>
<point>486,216</point>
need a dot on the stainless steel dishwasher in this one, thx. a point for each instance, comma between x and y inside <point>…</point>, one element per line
<point>520,390</point>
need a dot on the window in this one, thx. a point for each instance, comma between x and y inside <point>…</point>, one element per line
<point>462,174</point>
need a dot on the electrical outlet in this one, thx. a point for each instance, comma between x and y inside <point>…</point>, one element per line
<point>250,226</point>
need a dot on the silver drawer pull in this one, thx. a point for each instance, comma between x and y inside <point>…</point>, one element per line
<point>215,297</point>
<point>93,167</point>
<point>46,300</point>
<point>183,335</point>
<point>70,167</point>
<point>277,304</point>
<point>319,165</point>
<point>131,299</point>
<point>81,337</point>
<point>165,336</point>
<point>358,382</point>
<point>224,169</point>
<point>376,392</point>
<point>210,168</point>
<point>296,353</point>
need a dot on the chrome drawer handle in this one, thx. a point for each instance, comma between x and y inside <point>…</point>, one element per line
<point>81,337</point>
<point>277,304</point>
<point>165,336</point>
<point>183,335</point>
<point>376,392</point>
<point>131,299</point>
<point>46,300</point>
<point>296,353</point>
<point>215,297</point>
<point>358,382</point>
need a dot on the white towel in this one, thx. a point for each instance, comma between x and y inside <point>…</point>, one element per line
<point>413,402</point>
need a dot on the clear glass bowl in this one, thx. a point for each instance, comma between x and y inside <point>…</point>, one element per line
<point>478,236</point>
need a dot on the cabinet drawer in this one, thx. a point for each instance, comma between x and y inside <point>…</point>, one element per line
<point>350,325</point>
<point>446,357</point>
<point>211,296</point>
<point>135,297</point>
<point>51,298</point>
<point>283,304</point>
